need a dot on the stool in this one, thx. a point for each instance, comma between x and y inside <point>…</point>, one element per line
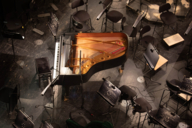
<point>127,94</point>
<point>114,17</point>
<point>141,106</point>
<point>42,68</point>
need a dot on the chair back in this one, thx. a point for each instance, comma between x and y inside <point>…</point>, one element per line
<point>123,22</point>
<point>106,3</point>
<point>109,92</point>
<point>151,56</point>
<point>144,30</point>
<point>164,7</point>
<point>173,87</point>
<point>77,3</point>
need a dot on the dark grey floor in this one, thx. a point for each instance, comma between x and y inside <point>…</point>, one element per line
<point>29,49</point>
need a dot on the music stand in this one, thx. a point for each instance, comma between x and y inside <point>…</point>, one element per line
<point>151,56</point>
<point>110,93</point>
<point>13,35</point>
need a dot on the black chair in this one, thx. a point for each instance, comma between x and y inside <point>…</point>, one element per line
<point>110,93</point>
<point>162,116</point>
<point>42,68</point>
<point>129,30</point>
<point>158,116</point>
<point>145,40</point>
<point>141,106</point>
<point>153,60</point>
<point>174,89</point>
<point>80,26</point>
<point>10,96</point>
<point>166,16</point>
<point>23,120</point>
<point>114,16</point>
<point>127,94</point>
<point>80,16</point>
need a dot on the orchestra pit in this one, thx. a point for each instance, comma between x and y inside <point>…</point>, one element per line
<point>95,63</point>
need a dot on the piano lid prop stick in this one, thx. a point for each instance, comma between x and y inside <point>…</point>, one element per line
<point>51,83</point>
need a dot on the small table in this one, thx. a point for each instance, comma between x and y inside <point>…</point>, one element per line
<point>164,117</point>
<point>174,39</point>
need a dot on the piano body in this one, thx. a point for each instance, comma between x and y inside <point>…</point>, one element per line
<point>88,53</point>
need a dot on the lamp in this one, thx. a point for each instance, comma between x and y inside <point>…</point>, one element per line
<point>12,35</point>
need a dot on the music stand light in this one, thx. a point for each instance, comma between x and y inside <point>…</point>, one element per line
<point>13,35</point>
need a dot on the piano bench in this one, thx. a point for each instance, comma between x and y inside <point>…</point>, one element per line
<point>42,68</point>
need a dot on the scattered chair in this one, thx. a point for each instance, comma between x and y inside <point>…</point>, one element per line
<point>144,40</point>
<point>127,94</point>
<point>153,60</point>
<point>141,106</point>
<point>80,27</point>
<point>166,16</point>
<point>110,93</point>
<point>80,16</point>
<point>174,89</point>
<point>129,30</point>
<point>114,16</point>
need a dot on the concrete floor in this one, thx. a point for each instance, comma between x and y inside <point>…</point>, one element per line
<point>29,49</point>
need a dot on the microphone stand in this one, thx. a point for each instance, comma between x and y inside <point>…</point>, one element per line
<point>81,84</point>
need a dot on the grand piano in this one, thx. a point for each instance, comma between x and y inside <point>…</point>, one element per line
<point>76,61</point>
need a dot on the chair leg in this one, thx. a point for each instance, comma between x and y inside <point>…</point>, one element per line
<point>127,108</point>
<point>144,120</point>
<point>139,120</point>
<point>105,24</point>
<point>39,81</point>
<point>113,27</point>
<point>70,24</point>
<point>90,24</point>
<point>102,24</point>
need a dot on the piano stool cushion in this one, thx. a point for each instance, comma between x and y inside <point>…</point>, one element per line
<point>168,18</point>
<point>114,16</point>
<point>42,65</point>
<point>81,16</point>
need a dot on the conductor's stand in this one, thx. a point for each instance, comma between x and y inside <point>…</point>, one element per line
<point>110,93</point>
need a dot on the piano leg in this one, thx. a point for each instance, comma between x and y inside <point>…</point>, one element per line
<point>121,69</point>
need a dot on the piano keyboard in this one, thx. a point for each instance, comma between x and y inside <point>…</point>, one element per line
<point>62,51</point>
<point>57,58</point>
